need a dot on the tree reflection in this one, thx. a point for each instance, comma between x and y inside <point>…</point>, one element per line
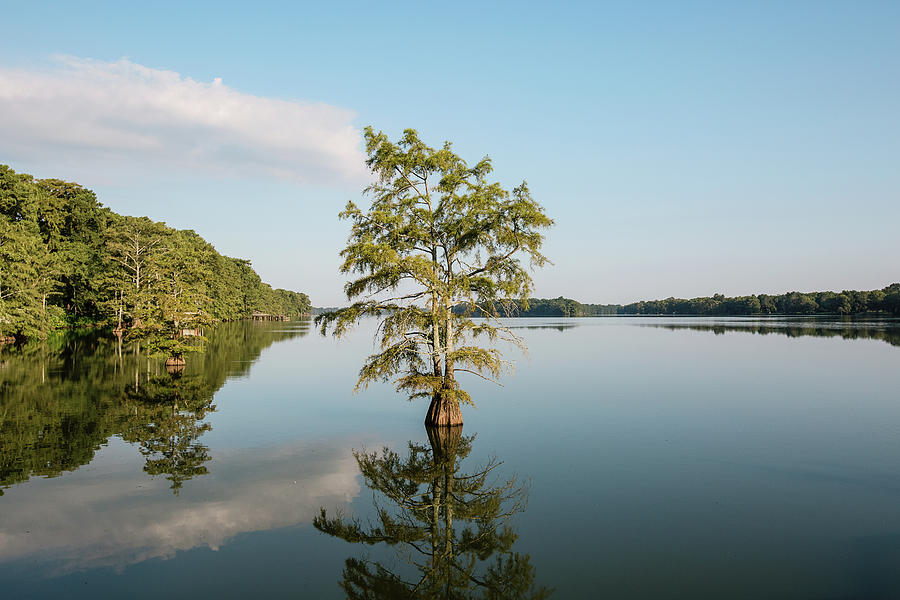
<point>445,524</point>
<point>168,420</point>
<point>62,399</point>
<point>886,330</point>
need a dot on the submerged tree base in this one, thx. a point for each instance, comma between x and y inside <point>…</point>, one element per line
<point>444,442</point>
<point>175,365</point>
<point>443,412</point>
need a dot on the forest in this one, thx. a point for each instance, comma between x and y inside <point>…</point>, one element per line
<point>848,302</point>
<point>544,307</point>
<point>67,261</point>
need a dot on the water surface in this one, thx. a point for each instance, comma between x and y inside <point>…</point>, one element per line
<point>626,457</point>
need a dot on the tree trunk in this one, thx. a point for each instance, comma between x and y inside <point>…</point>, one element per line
<point>448,347</point>
<point>121,301</point>
<point>444,411</point>
<point>436,337</point>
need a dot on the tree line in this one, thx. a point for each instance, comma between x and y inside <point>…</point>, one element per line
<point>66,260</point>
<point>848,302</point>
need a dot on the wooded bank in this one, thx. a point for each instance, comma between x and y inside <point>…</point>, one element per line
<point>66,260</point>
<point>847,302</point>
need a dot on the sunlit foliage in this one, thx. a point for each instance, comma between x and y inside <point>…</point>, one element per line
<point>438,233</point>
<point>66,260</point>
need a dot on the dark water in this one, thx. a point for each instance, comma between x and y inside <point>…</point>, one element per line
<point>624,458</point>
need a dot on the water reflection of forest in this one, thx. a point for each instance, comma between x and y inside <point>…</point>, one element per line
<point>61,400</point>
<point>449,528</point>
<point>887,331</point>
<point>556,326</point>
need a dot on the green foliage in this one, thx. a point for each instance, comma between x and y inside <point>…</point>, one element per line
<point>848,302</point>
<point>792,303</point>
<point>65,260</point>
<point>22,284</point>
<point>437,235</point>
<point>556,307</point>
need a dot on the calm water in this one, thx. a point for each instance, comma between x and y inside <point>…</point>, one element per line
<point>624,458</point>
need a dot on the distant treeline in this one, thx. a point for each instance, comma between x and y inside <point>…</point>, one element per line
<point>848,302</point>
<point>319,310</point>
<point>563,307</point>
<point>555,307</point>
<point>66,260</point>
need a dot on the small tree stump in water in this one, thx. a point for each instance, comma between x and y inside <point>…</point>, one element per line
<point>443,412</point>
<point>175,365</point>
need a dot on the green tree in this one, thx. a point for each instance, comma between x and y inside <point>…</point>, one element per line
<point>835,303</point>
<point>766,304</point>
<point>25,264</point>
<point>177,309</point>
<point>799,304</point>
<point>438,234</point>
<point>135,246</point>
<point>73,225</point>
<point>24,281</point>
<point>891,299</point>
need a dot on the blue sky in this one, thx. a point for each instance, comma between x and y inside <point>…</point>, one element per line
<point>682,148</point>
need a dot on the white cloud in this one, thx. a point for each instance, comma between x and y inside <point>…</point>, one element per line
<point>122,114</point>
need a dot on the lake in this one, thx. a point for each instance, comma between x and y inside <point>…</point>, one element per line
<point>622,458</point>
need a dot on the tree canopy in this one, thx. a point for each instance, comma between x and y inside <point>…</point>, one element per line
<point>438,234</point>
<point>66,260</point>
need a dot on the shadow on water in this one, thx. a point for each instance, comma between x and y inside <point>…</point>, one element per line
<point>449,529</point>
<point>63,399</point>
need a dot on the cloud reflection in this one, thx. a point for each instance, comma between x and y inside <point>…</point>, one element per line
<point>114,517</point>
